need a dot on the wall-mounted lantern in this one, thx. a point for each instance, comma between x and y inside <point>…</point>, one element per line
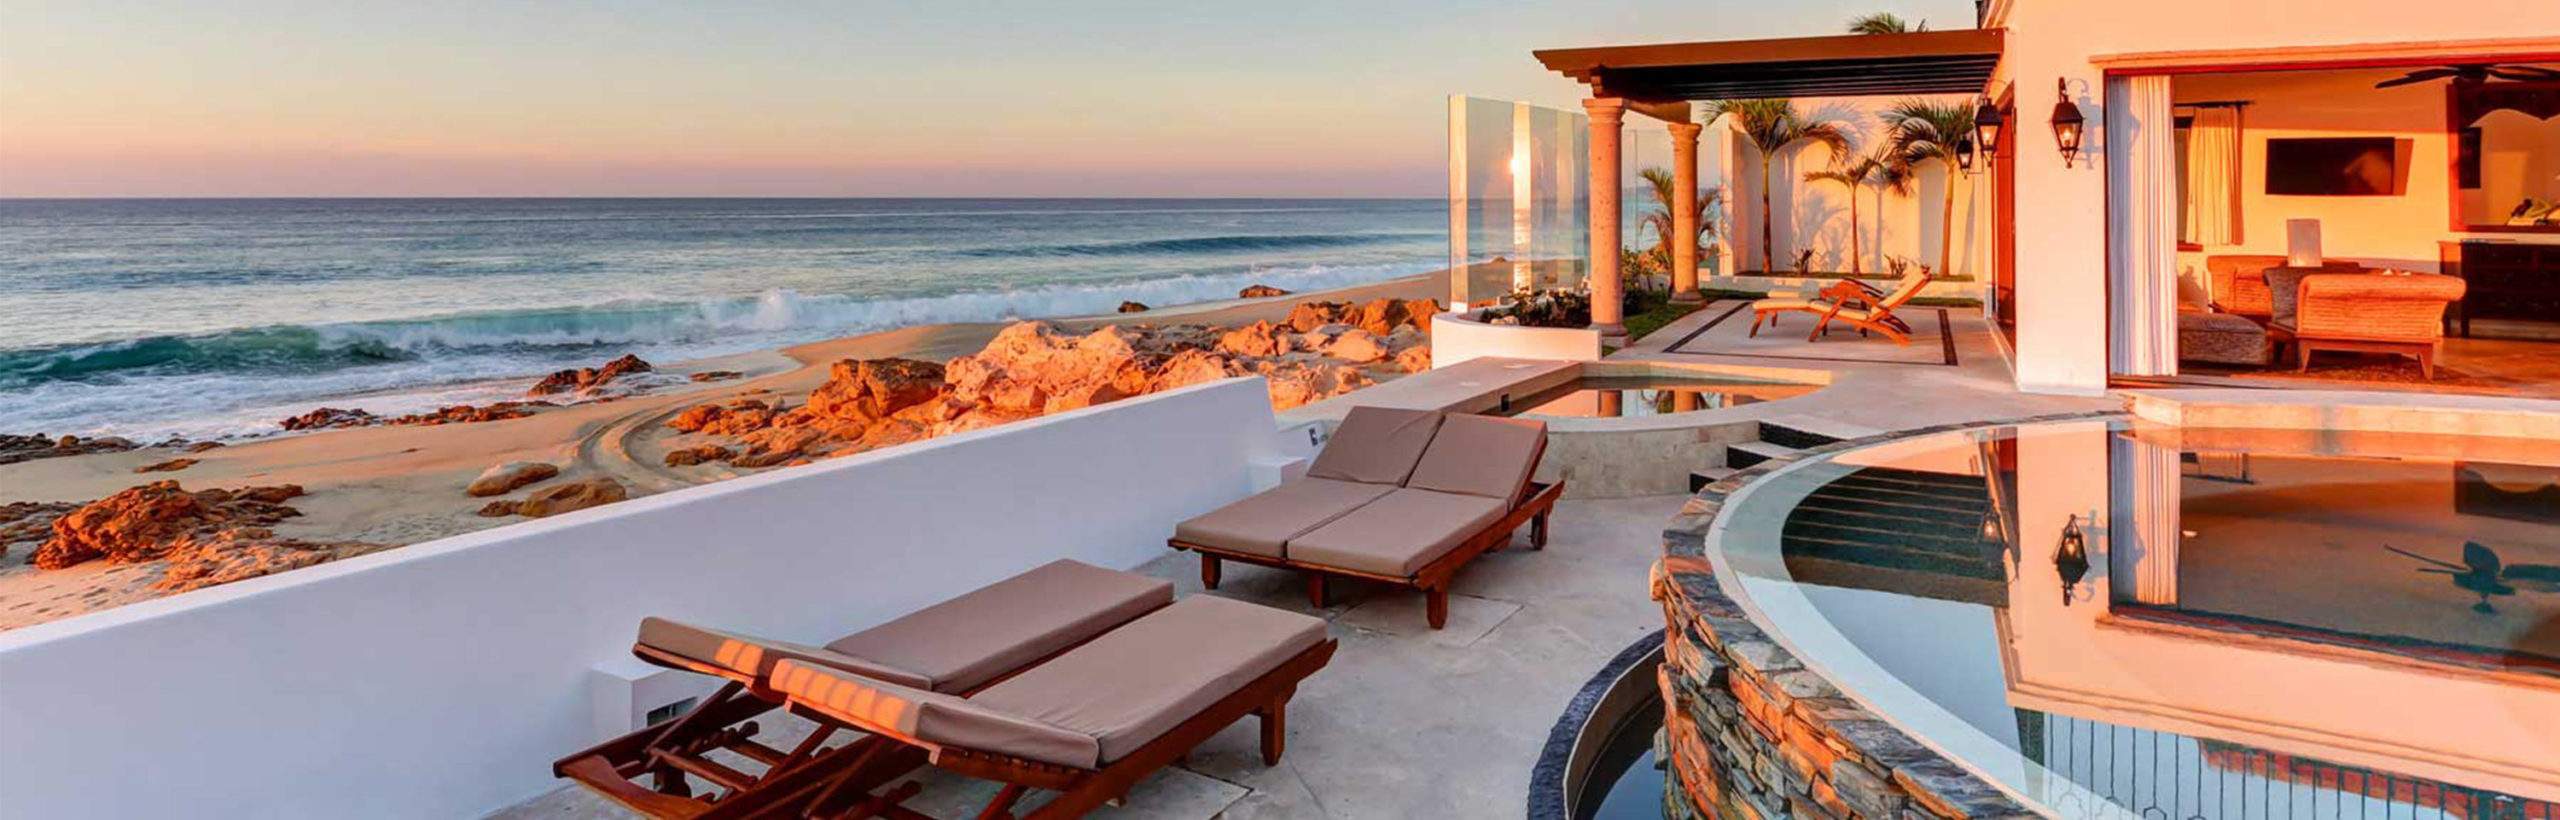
<point>2071,557</point>
<point>1986,126</point>
<point>1964,154</point>
<point>2067,122</point>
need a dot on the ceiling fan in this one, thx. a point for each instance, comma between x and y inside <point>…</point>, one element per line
<point>2473,74</point>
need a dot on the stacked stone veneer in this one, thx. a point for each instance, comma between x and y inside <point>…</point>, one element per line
<point>1749,733</point>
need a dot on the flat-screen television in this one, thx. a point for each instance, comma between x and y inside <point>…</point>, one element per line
<point>2333,166</point>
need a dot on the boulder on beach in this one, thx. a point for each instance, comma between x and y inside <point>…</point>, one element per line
<point>506,478</point>
<point>330,417</point>
<point>714,375</point>
<point>199,562</point>
<point>576,495</point>
<point>699,454</point>
<point>14,449</point>
<point>1260,292</point>
<point>585,380</point>
<point>1134,307</point>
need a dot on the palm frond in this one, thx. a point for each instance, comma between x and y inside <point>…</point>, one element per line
<point>1882,22</point>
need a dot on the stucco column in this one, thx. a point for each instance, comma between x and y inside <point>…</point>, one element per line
<point>1606,114</point>
<point>1684,211</point>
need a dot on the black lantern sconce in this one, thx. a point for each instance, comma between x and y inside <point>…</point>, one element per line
<point>1987,120</point>
<point>1964,154</point>
<point>2071,557</point>
<point>2067,122</point>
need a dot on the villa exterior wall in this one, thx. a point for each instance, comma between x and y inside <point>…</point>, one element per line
<point>441,679</point>
<point>1815,215</point>
<point>2061,215</point>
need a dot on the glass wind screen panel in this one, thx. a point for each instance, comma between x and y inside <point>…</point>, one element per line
<point>1518,176</point>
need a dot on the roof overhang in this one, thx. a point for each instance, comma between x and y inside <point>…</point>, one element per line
<point>1849,65</point>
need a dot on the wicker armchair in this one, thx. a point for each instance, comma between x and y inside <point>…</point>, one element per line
<point>2371,312</point>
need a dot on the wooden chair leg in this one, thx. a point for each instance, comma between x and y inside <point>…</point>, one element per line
<point>1436,606</point>
<point>2427,364</point>
<point>1315,590</point>
<point>1275,731</point>
<point>1001,808</point>
<point>2301,357</point>
<point>1538,531</point>
<point>1209,570</point>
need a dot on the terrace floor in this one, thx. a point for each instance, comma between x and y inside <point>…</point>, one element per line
<point>1406,721</point>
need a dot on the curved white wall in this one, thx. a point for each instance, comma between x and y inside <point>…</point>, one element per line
<point>1456,338</point>
<point>441,679</point>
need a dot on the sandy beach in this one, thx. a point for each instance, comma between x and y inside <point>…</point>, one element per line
<point>404,484</point>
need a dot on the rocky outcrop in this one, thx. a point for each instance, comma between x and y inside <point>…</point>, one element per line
<point>588,379</point>
<point>170,466</point>
<point>14,449</point>
<point>30,521</point>
<point>328,418</point>
<point>699,454</point>
<point>714,375</point>
<point>141,523</point>
<point>507,478</point>
<point>1260,292</point>
<point>1036,368</point>
<point>202,446</point>
<point>199,562</point>
<point>1134,307</point>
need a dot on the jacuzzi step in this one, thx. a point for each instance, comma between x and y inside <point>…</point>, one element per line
<point>1699,480</point>
<point>1751,453</point>
<point>1807,432</point>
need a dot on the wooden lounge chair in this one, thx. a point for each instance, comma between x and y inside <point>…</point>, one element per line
<point>1088,724</point>
<point>957,646</point>
<point>1401,497</point>
<point>1850,293</point>
<point>1876,315</point>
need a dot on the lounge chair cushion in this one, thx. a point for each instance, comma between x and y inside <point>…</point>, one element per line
<point>1136,683</point>
<point>930,717</point>
<point>1790,303</point>
<point>962,643</point>
<point>1482,455</point>
<point>1262,524</point>
<point>1375,445</point>
<point>749,659</point>
<point>1398,534</point>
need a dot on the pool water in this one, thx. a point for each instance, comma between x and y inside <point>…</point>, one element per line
<point>2117,619</point>
<point>1618,396</point>
<point>1626,779</point>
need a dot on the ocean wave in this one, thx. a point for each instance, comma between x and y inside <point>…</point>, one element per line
<point>1201,244</point>
<point>229,383</point>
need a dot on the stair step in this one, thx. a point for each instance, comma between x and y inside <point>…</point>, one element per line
<point>1698,480</point>
<point>1972,565</point>
<point>1914,539</point>
<point>1818,429</point>
<point>1751,453</point>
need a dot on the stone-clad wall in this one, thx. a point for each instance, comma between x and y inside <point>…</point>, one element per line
<point>1750,734</point>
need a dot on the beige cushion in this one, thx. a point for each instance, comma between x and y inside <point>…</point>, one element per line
<point>749,659</point>
<point>1375,445</point>
<point>1788,303</point>
<point>930,717</point>
<point>1260,524</point>
<point>962,643</point>
<point>1399,534</point>
<point>1136,683</point>
<point>1481,455</point>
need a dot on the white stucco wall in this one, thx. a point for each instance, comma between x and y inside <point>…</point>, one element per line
<point>441,679</point>
<point>1457,338</point>
<point>1816,214</point>
<point>2061,217</point>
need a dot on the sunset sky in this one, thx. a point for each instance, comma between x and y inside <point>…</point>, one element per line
<point>364,98</point>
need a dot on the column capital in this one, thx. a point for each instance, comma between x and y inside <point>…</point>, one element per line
<point>1605,109</point>
<point>1686,132</point>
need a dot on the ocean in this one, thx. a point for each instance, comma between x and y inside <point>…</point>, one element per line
<point>215,318</point>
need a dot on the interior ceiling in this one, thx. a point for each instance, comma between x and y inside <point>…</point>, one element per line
<point>1938,62</point>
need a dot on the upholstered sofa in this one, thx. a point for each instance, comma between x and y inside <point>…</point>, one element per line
<point>2380,312</point>
<point>2240,283</point>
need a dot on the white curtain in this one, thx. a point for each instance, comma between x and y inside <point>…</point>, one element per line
<point>2142,544</point>
<point>2142,224</point>
<point>2213,177</point>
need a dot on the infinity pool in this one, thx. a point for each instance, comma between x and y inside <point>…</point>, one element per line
<point>2106,618</point>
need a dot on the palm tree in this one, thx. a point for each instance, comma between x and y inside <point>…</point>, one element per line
<point>1851,173</point>
<point>1924,131</point>
<point>1662,184</point>
<point>1773,126</point>
<point>1883,22</point>
<point>1892,176</point>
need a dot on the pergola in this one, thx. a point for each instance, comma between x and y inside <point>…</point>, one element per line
<point>1660,81</point>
